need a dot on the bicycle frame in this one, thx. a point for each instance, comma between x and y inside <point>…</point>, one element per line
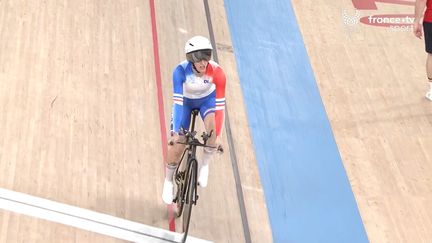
<point>192,143</point>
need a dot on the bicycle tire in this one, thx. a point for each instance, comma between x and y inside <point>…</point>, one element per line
<point>190,196</point>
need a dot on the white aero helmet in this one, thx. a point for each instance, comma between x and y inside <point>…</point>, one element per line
<point>197,43</point>
<point>198,48</point>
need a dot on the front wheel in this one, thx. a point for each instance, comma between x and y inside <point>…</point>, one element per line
<point>190,196</point>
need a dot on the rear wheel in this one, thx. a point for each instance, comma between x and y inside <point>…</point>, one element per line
<point>190,196</point>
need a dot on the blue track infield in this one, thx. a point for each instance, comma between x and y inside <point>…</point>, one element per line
<point>307,192</point>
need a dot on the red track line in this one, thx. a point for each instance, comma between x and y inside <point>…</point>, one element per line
<point>164,141</point>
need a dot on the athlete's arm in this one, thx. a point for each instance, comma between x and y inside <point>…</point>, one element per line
<point>176,116</point>
<point>419,8</point>
<point>219,80</point>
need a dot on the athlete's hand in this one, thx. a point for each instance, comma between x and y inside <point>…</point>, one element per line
<point>417,29</point>
<point>219,146</point>
<point>174,139</point>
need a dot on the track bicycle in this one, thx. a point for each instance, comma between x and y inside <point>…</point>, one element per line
<point>185,176</point>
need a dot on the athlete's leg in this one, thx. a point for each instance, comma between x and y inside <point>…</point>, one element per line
<point>427,27</point>
<point>175,150</point>
<point>207,112</point>
<point>210,126</point>
<point>174,154</point>
<point>203,165</point>
<point>429,68</point>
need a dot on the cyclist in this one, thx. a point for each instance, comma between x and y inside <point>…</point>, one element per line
<point>420,14</point>
<point>198,83</point>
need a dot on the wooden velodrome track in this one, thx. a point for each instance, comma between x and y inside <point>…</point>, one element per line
<point>80,122</point>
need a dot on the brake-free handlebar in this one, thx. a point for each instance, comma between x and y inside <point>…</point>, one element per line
<point>191,140</point>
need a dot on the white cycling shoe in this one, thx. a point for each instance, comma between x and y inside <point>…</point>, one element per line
<point>167,194</point>
<point>203,175</point>
<point>429,95</point>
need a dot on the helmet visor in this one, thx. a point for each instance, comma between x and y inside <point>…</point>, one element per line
<point>198,56</point>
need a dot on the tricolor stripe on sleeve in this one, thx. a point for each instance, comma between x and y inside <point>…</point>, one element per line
<point>178,99</point>
<point>220,104</point>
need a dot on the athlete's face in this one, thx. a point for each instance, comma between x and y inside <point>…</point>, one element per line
<point>201,66</point>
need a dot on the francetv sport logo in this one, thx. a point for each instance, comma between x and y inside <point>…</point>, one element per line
<point>399,22</point>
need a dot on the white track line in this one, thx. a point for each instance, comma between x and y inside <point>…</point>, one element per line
<point>85,219</point>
